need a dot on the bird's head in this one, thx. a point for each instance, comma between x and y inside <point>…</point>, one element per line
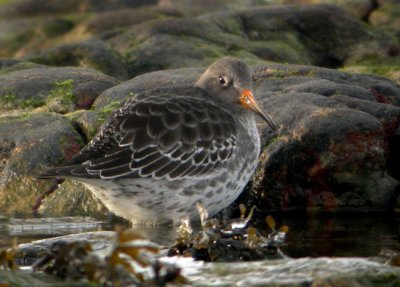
<point>229,80</point>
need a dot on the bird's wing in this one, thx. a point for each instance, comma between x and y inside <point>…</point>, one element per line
<point>159,136</point>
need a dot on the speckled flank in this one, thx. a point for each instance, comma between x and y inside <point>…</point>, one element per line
<point>152,201</point>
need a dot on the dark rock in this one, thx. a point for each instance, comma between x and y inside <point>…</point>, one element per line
<point>22,138</point>
<point>30,142</point>
<point>93,54</point>
<point>387,63</point>
<point>15,34</point>
<point>335,141</point>
<point>5,63</point>
<point>53,27</point>
<point>26,147</point>
<point>321,35</point>
<point>38,7</point>
<point>359,8</point>
<point>117,20</point>
<point>88,122</point>
<point>61,89</point>
<point>386,16</point>
<point>312,34</point>
<point>11,65</point>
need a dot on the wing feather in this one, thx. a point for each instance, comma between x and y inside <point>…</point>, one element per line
<point>158,135</point>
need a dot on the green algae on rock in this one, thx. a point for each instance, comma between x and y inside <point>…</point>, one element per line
<point>30,88</point>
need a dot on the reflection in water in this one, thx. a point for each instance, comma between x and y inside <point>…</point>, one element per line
<point>344,235</point>
<point>51,225</point>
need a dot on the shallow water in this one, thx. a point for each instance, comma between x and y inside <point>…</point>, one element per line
<point>348,235</point>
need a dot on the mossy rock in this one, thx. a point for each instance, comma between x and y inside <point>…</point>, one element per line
<point>386,16</point>
<point>61,89</point>
<point>72,199</point>
<point>322,35</point>
<point>54,27</point>
<point>93,54</point>
<point>12,65</point>
<point>39,8</point>
<point>389,71</point>
<point>89,122</point>
<point>22,136</point>
<point>15,34</point>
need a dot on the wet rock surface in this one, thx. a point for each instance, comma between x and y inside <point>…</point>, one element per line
<point>100,242</point>
<point>300,272</point>
<point>281,272</point>
<point>293,273</point>
<point>331,137</point>
<point>22,136</point>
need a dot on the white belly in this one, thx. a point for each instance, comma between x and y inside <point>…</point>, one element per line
<point>150,201</point>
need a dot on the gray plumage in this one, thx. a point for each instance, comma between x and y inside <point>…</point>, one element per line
<point>165,149</point>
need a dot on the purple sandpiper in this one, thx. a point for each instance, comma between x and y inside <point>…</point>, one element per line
<point>166,149</point>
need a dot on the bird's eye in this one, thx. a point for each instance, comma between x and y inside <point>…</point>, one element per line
<point>222,80</point>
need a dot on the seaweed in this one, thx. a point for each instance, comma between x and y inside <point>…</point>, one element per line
<point>227,241</point>
<point>124,265</point>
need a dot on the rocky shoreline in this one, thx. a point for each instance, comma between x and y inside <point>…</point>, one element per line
<point>337,147</point>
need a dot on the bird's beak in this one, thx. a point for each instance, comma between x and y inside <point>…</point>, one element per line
<point>248,101</point>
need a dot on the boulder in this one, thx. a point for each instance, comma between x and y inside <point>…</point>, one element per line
<point>15,34</point>
<point>358,8</point>
<point>29,143</point>
<point>61,90</point>
<point>32,141</point>
<point>336,142</point>
<point>92,53</point>
<point>26,146</point>
<point>386,16</point>
<point>8,65</point>
<point>40,8</point>
<point>154,37</point>
<point>322,35</point>
<point>109,23</point>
